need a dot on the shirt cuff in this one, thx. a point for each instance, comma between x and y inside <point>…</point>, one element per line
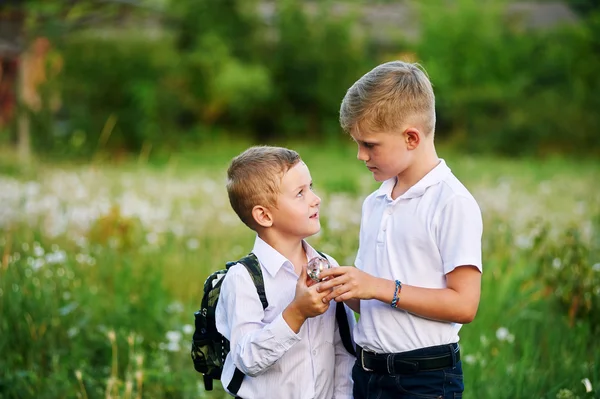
<point>282,333</point>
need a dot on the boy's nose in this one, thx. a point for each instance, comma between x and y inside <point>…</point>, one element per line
<point>362,155</point>
<point>317,200</point>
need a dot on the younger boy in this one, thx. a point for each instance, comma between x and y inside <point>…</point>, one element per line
<point>292,349</point>
<point>418,268</point>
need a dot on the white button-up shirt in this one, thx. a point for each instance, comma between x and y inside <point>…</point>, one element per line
<point>417,238</point>
<point>277,362</point>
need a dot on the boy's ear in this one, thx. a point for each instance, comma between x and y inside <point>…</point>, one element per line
<point>412,136</point>
<point>262,216</point>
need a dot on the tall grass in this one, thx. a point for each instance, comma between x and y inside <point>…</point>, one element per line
<point>101,269</point>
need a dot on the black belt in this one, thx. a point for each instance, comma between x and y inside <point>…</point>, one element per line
<point>408,362</point>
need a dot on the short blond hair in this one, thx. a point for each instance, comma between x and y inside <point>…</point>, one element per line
<point>387,97</point>
<point>254,178</point>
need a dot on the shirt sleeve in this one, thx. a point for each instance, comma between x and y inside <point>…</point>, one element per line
<point>344,361</point>
<point>459,233</point>
<point>255,345</point>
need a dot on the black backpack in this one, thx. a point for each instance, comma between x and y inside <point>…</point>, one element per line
<point>210,348</point>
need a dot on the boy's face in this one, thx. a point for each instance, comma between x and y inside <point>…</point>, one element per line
<point>386,154</point>
<point>297,212</point>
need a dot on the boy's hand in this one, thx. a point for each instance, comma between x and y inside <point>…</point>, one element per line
<point>308,302</point>
<point>346,282</point>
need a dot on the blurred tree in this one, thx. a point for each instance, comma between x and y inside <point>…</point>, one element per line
<point>265,73</point>
<point>314,58</point>
<point>584,7</point>
<point>220,42</point>
<point>11,26</point>
<point>37,26</point>
<point>168,73</point>
<point>503,89</point>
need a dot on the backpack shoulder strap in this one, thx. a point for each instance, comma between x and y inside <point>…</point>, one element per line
<point>344,327</point>
<point>253,266</point>
<point>342,321</point>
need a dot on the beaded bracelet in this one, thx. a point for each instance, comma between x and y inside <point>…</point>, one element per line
<point>396,293</point>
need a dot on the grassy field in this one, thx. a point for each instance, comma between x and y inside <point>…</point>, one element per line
<point>101,268</point>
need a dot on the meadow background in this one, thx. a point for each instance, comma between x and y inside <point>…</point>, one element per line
<point>113,208</point>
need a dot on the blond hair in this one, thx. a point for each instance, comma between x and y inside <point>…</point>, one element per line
<point>254,178</point>
<point>388,97</point>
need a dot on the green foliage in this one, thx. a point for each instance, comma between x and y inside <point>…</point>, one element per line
<point>130,81</point>
<point>314,57</point>
<point>74,310</point>
<point>105,311</point>
<point>212,66</point>
<point>569,267</point>
<point>584,7</point>
<point>221,77</point>
<point>202,68</point>
<point>502,87</point>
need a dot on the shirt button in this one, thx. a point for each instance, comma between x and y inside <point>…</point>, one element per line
<point>390,211</point>
<point>315,352</point>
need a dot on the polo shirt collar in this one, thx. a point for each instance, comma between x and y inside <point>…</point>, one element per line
<point>434,176</point>
<point>271,260</point>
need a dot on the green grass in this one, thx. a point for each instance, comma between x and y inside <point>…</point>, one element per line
<point>98,262</point>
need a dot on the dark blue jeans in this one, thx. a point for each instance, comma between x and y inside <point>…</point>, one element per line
<point>439,384</point>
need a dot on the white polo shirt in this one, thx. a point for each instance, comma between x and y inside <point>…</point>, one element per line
<point>417,238</point>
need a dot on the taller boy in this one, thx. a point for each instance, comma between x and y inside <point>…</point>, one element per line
<point>418,274</point>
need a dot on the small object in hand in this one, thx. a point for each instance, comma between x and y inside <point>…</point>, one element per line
<point>316,266</point>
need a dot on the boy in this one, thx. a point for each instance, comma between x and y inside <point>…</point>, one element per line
<point>418,269</point>
<point>293,348</point>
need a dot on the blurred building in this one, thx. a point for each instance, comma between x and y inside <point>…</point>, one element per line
<point>11,46</point>
<point>383,20</point>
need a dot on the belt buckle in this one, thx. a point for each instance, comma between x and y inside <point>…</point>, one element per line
<point>362,361</point>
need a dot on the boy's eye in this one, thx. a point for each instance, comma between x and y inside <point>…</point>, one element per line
<point>368,145</point>
<point>300,193</point>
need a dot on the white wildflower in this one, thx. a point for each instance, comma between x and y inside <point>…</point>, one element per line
<point>523,241</point>
<point>470,359</point>
<point>152,238</point>
<point>484,340</point>
<point>556,263</point>
<point>174,336</point>
<point>188,329</point>
<point>56,257</point>
<point>38,263</point>
<point>175,307</point>
<point>38,250</point>
<point>173,347</point>
<point>192,244</point>
<point>588,385</point>
<point>503,334</point>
